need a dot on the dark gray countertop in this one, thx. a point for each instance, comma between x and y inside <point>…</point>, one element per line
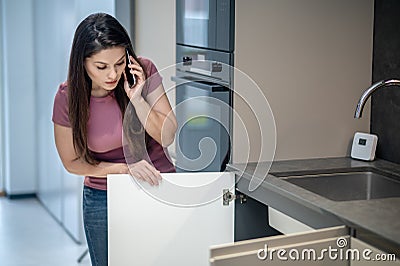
<point>377,216</point>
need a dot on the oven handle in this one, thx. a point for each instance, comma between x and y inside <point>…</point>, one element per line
<point>204,85</point>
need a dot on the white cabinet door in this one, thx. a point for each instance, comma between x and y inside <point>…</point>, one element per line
<point>171,224</point>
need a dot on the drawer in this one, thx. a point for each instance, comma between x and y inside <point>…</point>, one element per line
<point>329,246</point>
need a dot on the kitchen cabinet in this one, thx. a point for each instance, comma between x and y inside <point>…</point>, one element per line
<point>150,226</point>
<point>370,220</point>
<point>251,220</point>
<point>329,246</point>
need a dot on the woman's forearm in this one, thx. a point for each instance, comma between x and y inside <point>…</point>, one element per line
<point>159,126</point>
<point>79,167</point>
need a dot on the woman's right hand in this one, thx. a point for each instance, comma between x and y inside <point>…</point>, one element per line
<point>144,171</point>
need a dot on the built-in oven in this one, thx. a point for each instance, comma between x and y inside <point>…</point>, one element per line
<point>204,57</point>
<point>205,23</point>
<point>203,109</point>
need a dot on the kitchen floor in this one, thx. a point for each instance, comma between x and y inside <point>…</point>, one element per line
<point>29,236</point>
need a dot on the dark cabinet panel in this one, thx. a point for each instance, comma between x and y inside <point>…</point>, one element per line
<point>385,111</point>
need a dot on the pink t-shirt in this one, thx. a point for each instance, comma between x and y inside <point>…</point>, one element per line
<point>105,127</point>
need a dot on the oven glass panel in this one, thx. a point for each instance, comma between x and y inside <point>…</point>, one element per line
<point>195,23</point>
<point>203,121</point>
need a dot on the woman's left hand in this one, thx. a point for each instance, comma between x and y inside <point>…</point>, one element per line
<point>135,92</point>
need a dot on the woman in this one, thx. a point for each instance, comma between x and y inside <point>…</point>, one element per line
<point>93,107</point>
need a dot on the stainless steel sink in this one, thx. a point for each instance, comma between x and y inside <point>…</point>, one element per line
<point>347,186</point>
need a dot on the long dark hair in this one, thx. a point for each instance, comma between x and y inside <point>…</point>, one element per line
<point>95,33</point>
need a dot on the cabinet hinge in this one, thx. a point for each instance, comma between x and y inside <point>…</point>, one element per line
<point>228,196</point>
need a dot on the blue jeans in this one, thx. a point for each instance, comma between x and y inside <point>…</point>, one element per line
<point>95,223</point>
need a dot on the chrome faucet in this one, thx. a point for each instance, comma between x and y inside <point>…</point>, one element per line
<point>370,90</point>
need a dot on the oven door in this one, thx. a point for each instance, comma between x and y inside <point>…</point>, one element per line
<point>203,113</point>
<point>205,23</point>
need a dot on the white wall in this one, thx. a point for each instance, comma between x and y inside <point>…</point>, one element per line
<point>19,95</point>
<point>312,59</point>
<point>154,37</point>
<point>155,31</point>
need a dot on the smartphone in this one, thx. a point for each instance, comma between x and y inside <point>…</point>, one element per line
<point>131,78</point>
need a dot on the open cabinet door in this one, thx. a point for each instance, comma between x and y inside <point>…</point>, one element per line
<point>174,223</point>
